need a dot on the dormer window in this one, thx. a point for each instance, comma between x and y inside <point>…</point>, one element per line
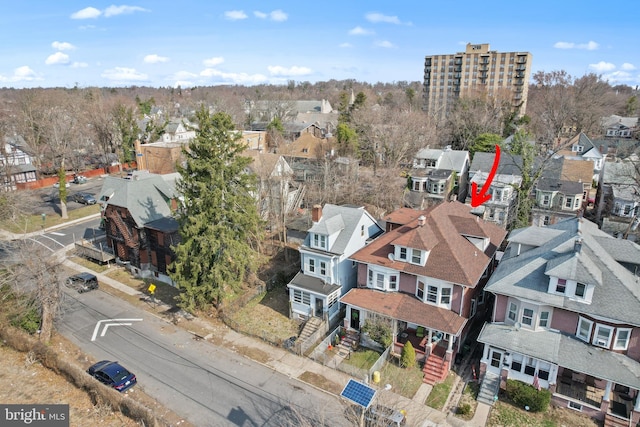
<point>320,241</point>
<point>561,286</point>
<point>416,256</point>
<point>581,290</point>
<point>402,254</point>
<point>385,280</point>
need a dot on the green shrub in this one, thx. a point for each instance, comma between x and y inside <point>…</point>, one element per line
<point>408,356</point>
<point>523,394</point>
<point>464,409</point>
<point>28,320</point>
<point>379,330</point>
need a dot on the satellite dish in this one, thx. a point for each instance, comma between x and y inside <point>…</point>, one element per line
<point>391,258</point>
<point>518,325</point>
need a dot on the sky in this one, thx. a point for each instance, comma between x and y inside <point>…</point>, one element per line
<point>162,43</point>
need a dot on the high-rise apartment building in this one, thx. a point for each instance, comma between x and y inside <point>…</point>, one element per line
<point>476,70</point>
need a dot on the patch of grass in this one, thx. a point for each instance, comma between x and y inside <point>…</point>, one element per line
<point>253,353</point>
<point>467,404</point>
<point>91,265</point>
<point>31,223</point>
<point>320,382</point>
<point>438,396</point>
<point>124,277</point>
<point>404,381</point>
<point>504,414</point>
<point>362,358</point>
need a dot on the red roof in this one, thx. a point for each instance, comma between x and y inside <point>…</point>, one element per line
<point>452,257</point>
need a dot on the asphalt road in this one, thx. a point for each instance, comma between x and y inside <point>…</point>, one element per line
<point>206,384</point>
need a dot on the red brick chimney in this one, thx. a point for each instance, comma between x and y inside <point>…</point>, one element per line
<point>316,213</point>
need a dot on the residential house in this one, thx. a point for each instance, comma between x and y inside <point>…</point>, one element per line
<point>501,208</point>
<point>326,272</point>
<point>438,175</point>
<point>556,200</point>
<point>616,126</point>
<point>567,318</point>
<point>318,112</point>
<point>580,147</point>
<point>620,186</point>
<point>424,277</point>
<point>277,193</point>
<point>138,218</point>
<point>16,166</point>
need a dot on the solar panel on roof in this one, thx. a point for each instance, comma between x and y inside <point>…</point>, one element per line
<point>358,393</point>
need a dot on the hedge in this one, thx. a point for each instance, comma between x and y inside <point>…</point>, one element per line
<point>523,394</point>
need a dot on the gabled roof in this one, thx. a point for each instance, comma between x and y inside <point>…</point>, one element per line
<point>452,257</point>
<point>509,164</point>
<point>620,173</point>
<point>146,197</point>
<point>617,292</point>
<point>455,160</point>
<point>342,220</point>
<point>588,147</point>
<point>264,164</point>
<point>569,169</point>
<point>560,186</point>
<point>613,120</point>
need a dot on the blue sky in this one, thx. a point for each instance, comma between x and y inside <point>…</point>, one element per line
<point>206,42</point>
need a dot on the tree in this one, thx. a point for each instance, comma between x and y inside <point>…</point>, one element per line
<point>275,132</point>
<point>408,356</point>
<point>522,145</point>
<point>127,131</point>
<point>485,143</point>
<point>347,140</point>
<point>218,223</point>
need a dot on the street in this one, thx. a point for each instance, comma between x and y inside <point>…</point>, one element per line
<point>208,385</point>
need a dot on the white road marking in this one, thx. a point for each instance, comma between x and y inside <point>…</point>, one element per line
<point>111,322</point>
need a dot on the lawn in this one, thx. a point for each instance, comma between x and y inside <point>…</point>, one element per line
<point>362,358</point>
<point>505,414</point>
<point>31,223</point>
<point>404,381</point>
<point>440,393</point>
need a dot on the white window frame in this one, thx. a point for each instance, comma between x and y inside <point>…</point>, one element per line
<point>597,341</point>
<point>301,297</point>
<point>546,198</point>
<point>402,253</point>
<point>432,294</point>
<point>584,290</point>
<point>590,323</point>
<point>517,359</point>
<point>529,321</point>
<point>626,343</point>
<point>382,280</point>
<point>319,241</point>
<point>323,268</point>
<point>312,265</point>
<point>512,311</point>
<point>413,256</point>
<point>420,291</point>
<point>447,296</point>
<point>544,319</point>
<point>564,284</point>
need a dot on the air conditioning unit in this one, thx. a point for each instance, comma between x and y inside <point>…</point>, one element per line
<point>602,343</point>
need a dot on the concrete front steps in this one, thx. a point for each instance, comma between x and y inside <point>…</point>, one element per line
<point>489,388</point>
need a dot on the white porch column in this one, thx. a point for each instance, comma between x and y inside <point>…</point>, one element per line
<point>607,391</point>
<point>430,335</point>
<point>636,407</point>
<point>485,353</point>
<point>450,345</point>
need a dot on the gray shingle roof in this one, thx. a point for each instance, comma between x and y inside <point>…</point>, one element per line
<point>560,349</point>
<point>146,198</point>
<point>342,219</point>
<point>509,164</point>
<point>313,284</point>
<point>524,276</point>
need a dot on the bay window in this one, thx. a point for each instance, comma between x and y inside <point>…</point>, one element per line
<point>622,339</point>
<point>513,311</point>
<point>381,279</point>
<point>602,336</point>
<point>527,316</point>
<point>584,329</point>
<point>420,291</point>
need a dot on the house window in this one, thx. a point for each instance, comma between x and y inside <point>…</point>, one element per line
<point>543,370</point>
<point>622,339</point>
<point>416,256</point>
<point>380,281</point>
<point>530,367</point>
<point>301,297</point>
<point>496,359</point>
<point>370,279</point>
<point>546,220</point>
<point>312,265</point>
<point>568,202</point>
<point>513,309</point>
<point>474,308</point>
<point>561,286</point>
<point>516,362</point>
<point>527,316</point>
<point>333,299</point>
<point>584,329</point>
<point>362,230</point>
<point>481,294</point>
<point>545,200</point>
<point>581,290</point>
<point>323,268</point>
<point>602,336</point>
<point>320,241</point>
<point>543,322</point>
<point>420,291</point>
<point>403,253</point>
<point>393,282</point>
<point>432,294</point>
<point>445,296</point>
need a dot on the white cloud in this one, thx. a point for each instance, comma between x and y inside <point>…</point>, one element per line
<point>570,45</point>
<point>86,13</point>
<point>122,10</point>
<point>238,78</point>
<point>386,44</point>
<point>345,45</point>
<point>275,15</point>
<point>183,75</point>
<point>359,31</point>
<point>123,74</point>
<point>628,67</point>
<point>277,70</point>
<point>212,62</point>
<point>23,73</point>
<point>62,46</point>
<point>154,59</point>
<point>183,83</point>
<point>602,66</point>
<point>617,77</point>
<point>57,58</point>
<point>79,65</point>
<point>379,17</point>
<point>235,15</point>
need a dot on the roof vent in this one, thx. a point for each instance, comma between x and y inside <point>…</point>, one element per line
<point>421,220</point>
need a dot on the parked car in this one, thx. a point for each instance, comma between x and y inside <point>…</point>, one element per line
<point>79,179</point>
<point>57,184</point>
<point>113,374</point>
<point>83,282</point>
<point>378,415</point>
<point>84,198</point>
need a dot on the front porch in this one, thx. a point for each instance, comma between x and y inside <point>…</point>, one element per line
<point>433,348</point>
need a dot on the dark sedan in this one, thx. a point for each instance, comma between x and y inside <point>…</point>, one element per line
<point>113,374</point>
<point>84,198</point>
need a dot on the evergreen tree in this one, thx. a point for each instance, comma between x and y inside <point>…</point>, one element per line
<point>219,222</point>
<point>408,356</point>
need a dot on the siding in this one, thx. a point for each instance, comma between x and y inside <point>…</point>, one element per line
<point>564,321</point>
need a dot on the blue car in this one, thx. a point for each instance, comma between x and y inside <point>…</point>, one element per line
<point>113,374</point>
